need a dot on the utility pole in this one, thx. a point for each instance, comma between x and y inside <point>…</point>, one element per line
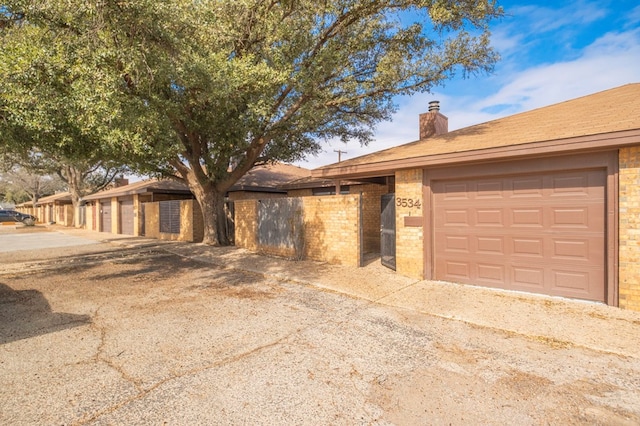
<point>339,154</point>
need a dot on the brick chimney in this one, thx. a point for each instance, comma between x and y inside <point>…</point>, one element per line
<point>433,123</point>
<point>118,182</point>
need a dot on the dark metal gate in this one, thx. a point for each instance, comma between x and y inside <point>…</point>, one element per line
<point>230,211</point>
<point>170,216</point>
<point>280,222</point>
<point>388,231</point>
<point>142,219</point>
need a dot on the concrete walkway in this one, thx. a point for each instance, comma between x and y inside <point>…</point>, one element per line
<point>557,321</point>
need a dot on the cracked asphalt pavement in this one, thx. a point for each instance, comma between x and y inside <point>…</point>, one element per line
<point>108,334</point>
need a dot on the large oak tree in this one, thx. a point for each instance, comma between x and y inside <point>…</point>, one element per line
<point>207,89</point>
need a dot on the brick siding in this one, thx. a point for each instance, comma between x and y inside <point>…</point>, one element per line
<point>246,224</point>
<point>330,229</point>
<point>629,228</point>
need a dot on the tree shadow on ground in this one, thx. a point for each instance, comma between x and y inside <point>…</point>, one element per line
<point>27,313</point>
<point>162,266</point>
<point>136,270</point>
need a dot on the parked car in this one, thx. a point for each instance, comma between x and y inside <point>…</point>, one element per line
<point>14,216</point>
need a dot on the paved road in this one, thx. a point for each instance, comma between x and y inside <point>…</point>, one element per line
<point>11,242</point>
<point>186,334</point>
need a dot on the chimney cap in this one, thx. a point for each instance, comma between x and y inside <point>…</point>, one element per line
<point>434,106</point>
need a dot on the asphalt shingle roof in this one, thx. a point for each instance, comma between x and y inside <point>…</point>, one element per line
<point>269,176</point>
<point>609,111</point>
<point>140,187</point>
<point>59,196</point>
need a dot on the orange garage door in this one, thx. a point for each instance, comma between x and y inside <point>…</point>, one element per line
<point>542,233</point>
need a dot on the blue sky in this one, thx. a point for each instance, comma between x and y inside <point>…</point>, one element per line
<point>551,52</point>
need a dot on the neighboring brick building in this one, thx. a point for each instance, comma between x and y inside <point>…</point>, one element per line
<point>121,210</point>
<point>545,201</point>
<point>140,208</point>
<point>56,208</point>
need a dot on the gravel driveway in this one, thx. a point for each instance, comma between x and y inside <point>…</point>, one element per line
<point>178,334</point>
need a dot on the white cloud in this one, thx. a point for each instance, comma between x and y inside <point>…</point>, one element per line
<point>611,61</point>
<point>540,19</point>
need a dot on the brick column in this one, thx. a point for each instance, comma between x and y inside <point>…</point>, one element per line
<point>409,238</point>
<point>629,228</point>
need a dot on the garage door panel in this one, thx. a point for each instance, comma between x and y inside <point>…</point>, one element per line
<point>577,284</point>
<point>575,185</point>
<point>571,281</point>
<point>457,270</point>
<point>489,217</point>
<point>491,273</point>
<point>491,245</point>
<point>574,250</point>
<point>530,247</point>
<point>456,218</point>
<point>528,278</point>
<point>527,217</point>
<point>457,243</point>
<point>527,187</point>
<point>576,217</point>
<point>457,191</point>
<point>589,217</point>
<point>490,190</point>
<point>544,233</point>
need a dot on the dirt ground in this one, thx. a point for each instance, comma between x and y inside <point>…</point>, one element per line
<point>106,334</point>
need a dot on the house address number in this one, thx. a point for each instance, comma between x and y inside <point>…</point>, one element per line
<point>408,202</point>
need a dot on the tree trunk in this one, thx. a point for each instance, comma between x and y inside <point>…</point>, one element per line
<point>73,179</point>
<point>211,197</point>
<point>75,201</point>
<point>213,216</point>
